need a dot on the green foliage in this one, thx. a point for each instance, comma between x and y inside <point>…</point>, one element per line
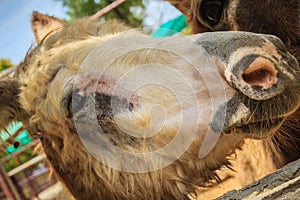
<point>4,64</point>
<point>20,159</point>
<point>131,12</point>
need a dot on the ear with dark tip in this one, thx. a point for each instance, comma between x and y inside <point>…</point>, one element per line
<point>42,25</point>
<point>182,5</point>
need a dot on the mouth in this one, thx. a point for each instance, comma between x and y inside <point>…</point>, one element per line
<point>253,118</point>
<point>259,129</point>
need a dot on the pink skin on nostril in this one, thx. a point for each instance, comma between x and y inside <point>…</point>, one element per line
<point>260,73</point>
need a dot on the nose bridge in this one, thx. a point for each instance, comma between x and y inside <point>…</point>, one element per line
<point>225,44</point>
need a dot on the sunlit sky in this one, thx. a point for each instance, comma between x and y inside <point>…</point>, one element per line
<point>15,31</point>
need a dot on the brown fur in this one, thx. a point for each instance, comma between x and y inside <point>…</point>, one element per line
<point>10,106</point>
<point>47,77</point>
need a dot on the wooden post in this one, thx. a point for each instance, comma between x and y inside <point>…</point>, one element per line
<point>7,186</point>
<point>281,184</point>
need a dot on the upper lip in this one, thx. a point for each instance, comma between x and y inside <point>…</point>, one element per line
<point>265,125</point>
<point>250,116</point>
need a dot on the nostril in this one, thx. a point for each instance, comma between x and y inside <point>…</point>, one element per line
<point>257,77</point>
<point>260,73</point>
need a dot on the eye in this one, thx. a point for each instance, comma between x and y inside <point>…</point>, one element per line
<point>211,11</point>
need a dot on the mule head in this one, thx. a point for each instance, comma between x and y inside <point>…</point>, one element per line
<point>105,97</point>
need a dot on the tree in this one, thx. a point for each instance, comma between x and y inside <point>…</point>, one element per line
<point>4,64</point>
<point>131,12</point>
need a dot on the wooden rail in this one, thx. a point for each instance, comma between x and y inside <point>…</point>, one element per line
<point>8,71</point>
<point>26,165</point>
<point>31,144</point>
<point>107,9</point>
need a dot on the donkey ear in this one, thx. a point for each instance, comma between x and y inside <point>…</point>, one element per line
<point>182,5</point>
<point>42,25</point>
